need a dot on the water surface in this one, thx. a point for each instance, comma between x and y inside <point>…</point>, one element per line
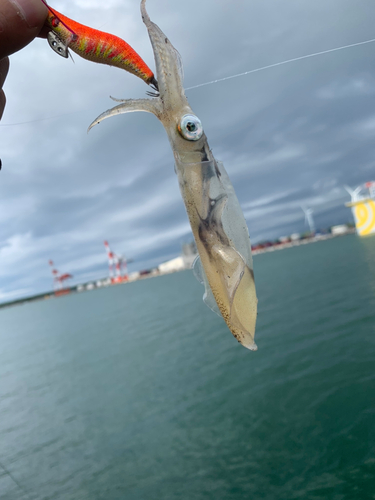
<point>140,392</point>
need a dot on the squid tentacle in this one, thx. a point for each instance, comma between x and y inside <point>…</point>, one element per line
<point>128,106</point>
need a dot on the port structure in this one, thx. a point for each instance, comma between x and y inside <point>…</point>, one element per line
<point>363,207</point>
<point>118,266</point>
<point>59,280</point>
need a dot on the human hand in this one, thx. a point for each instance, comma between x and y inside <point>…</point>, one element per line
<point>20,22</point>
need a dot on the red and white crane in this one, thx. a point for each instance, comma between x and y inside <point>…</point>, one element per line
<point>59,280</point>
<point>110,257</point>
<point>118,271</point>
<point>55,274</point>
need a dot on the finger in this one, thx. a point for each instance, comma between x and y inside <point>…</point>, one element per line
<point>4,68</point>
<point>2,103</point>
<point>44,31</point>
<point>20,22</point>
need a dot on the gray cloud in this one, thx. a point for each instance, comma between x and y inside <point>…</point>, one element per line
<point>290,135</point>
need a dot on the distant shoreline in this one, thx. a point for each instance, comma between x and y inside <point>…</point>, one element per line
<point>297,243</point>
<point>271,248</point>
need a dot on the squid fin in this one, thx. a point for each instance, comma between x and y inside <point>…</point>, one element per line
<point>208,297</point>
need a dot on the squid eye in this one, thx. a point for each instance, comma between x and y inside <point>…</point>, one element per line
<point>190,127</point>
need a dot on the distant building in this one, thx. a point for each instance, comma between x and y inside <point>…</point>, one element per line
<point>184,261</point>
<point>295,236</point>
<point>340,229</point>
<point>171,266</point>
<point>134,276</point>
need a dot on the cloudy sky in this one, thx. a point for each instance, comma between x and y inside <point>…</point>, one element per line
<point>289,136</point>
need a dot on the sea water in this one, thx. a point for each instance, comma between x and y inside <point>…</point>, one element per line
<point>140,392</point>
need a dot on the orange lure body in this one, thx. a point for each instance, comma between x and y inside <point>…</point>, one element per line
<point>98,46</point>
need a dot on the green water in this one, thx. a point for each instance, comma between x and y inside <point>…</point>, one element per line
<point>140,392</point>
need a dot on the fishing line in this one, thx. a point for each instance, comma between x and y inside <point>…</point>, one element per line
<point>281,63</point>
<point>42,119</point>
<point>256,70</point>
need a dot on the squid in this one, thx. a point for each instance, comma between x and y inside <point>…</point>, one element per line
<point>224,264</point>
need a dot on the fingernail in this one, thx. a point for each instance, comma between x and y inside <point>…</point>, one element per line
<point>31,11</point>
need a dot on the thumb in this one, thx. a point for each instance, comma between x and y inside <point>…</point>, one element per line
<point>20,22</point>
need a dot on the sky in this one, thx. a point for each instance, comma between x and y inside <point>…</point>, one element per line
<point>288,136</point>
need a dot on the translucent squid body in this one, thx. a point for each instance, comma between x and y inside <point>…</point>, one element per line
<point>224,264</point>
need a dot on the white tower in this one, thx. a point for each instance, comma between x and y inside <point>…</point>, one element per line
<point>309,219</point>
<point>354,193</point>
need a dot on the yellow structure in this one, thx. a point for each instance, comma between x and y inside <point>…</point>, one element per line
<point>363,208</point>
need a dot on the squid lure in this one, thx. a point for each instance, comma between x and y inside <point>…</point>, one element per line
<point>94,45</point>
